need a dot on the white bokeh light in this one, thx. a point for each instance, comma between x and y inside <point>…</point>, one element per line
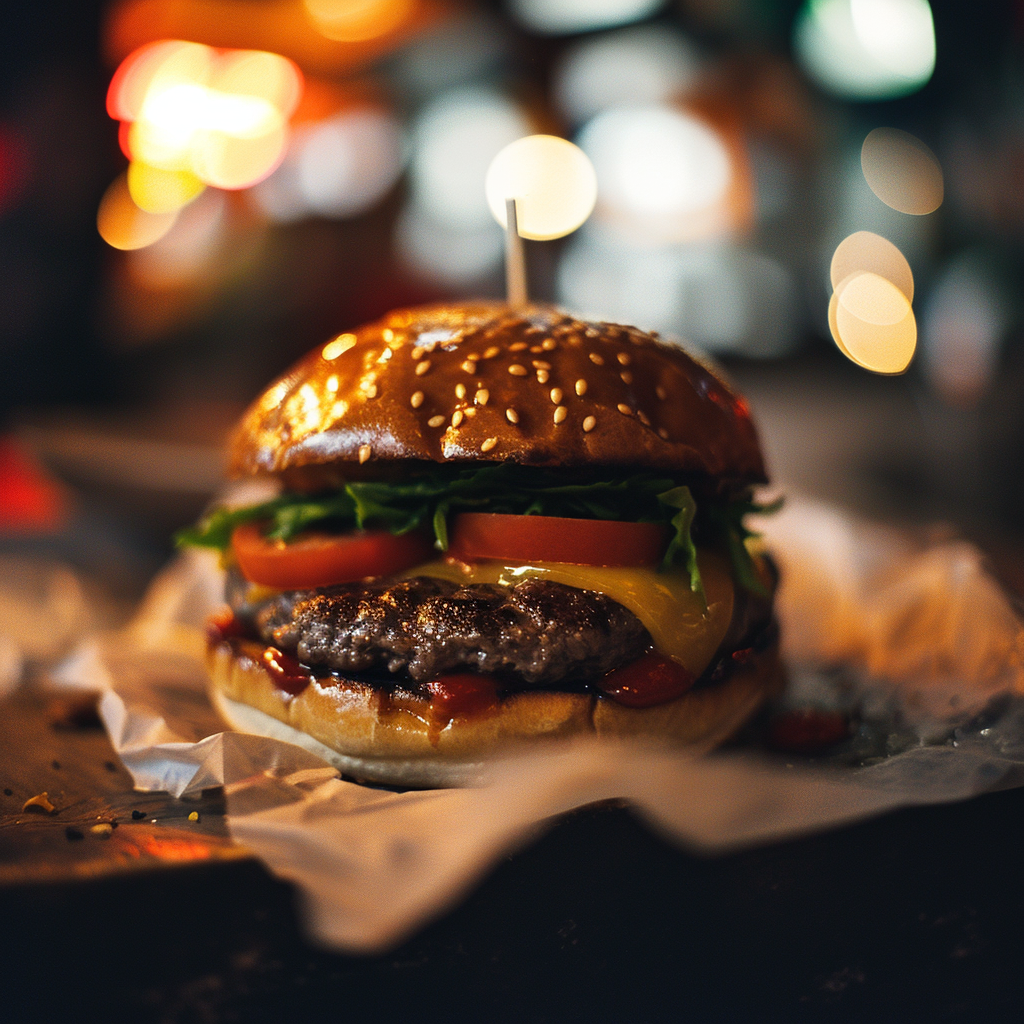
<point>552,181</point>
<point>867,49</point>
<point>445,254</point>
<point>340,167</point>
<point>454,140</point>
<point>564,17</point>
<point>646,64</point>
<point>657,167</point>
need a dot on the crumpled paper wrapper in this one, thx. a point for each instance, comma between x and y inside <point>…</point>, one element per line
<point>916,641</point>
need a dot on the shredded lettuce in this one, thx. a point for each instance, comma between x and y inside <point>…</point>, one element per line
<point>430,497</point>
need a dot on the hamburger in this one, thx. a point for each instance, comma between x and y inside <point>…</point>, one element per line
<point>493,526</point>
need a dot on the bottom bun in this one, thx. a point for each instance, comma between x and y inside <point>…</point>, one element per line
<point>379,738</point>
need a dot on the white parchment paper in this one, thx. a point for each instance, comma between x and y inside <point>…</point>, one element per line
<point>915,640</point>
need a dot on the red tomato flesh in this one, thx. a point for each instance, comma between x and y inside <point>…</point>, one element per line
<point>483,535</point>
<point>650,680</point>
<point>320,559</point>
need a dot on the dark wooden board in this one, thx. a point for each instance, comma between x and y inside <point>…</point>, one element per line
<point>54,744</point>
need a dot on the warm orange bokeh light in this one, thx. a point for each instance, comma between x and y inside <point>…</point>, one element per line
<point>902,171</point>
<point>123,225</point>
<point>866,251</point>
<point>872,323</point>
<point>354,21</point>
<point>200,116</point>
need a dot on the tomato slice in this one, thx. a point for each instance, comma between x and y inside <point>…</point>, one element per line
<point>482,535</point>
<point>320,559</point>
<point>650,680</point>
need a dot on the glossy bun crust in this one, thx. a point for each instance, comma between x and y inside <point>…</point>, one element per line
<point>349,724</point>
<point>486,382</point>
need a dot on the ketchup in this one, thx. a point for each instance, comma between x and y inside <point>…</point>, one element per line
<point>286,672</point>
<point>650,680</point>
<point>461,694</point>
<point>807,731</point>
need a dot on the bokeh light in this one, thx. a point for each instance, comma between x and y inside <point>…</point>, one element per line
<point>454,140</point>
<point>158,191</point>
<point>645,64</point>
<point>564,17</point>
<point>867,49</point>
<point>552,181</point>
<point>902,171</point>
<point>864,251</point>
<point>873,324</point>
<point>123,225</point>
<point>659,169</point>
<point>355,21</point>
<point>201,115</point>
<point>449,255</point>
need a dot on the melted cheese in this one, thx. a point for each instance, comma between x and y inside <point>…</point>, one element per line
<point>680,625</point>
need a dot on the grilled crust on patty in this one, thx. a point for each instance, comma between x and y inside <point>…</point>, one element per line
<point>396,740</point>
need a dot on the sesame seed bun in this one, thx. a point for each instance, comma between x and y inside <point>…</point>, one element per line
<point>347,722</point>
<point>485,382</point>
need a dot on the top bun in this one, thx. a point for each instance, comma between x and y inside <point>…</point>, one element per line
<point>488,382</point>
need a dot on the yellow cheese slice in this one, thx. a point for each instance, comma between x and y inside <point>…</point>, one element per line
<point>679,624</point>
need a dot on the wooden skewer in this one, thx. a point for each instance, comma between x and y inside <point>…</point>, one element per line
<point>515,258</point>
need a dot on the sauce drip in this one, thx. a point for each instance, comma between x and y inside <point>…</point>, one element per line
<point>458,696</point>
<point>286,672</point>
<point>650,680</point>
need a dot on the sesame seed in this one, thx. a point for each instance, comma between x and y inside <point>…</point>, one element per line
<point>623,358</point>
<point>471,411</point>
<point>387,334</point>
<point>517,370</point>
<point>469,366</point>
<point>488,444</point>
<point>534,329</point>
<point>588,424</point>
<point>591,332</point>
<point>517,347</point>
<point>548,344</point>
<point>663,433</point>
<point>342,343</point>
<point>643,418</point>
<point>542,376</point>
<point>481,396</point>
<point>560,413</point>
<point>332,383</point>
<point>435,421</point>
<point>456,417</point>
<point>581,387</point>
<point>417,352</point>
<point>624,409</point>
<point>556,396</point>
<point>660,392</point>
<point>596,359</point>
<point>511,415</point>
<point>365,451</point>
<point>460,390</point>
<point>370,390</point>
<point>492,352</point>
<point>539,364</point>
<point>536,349</point>
<point>422,367</point>
<point>417,399</point>
<point>627,377</point>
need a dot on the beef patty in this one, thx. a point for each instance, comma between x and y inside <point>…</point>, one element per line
<point>538,631</point>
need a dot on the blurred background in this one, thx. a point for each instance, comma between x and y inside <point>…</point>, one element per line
<point>195,192</point>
